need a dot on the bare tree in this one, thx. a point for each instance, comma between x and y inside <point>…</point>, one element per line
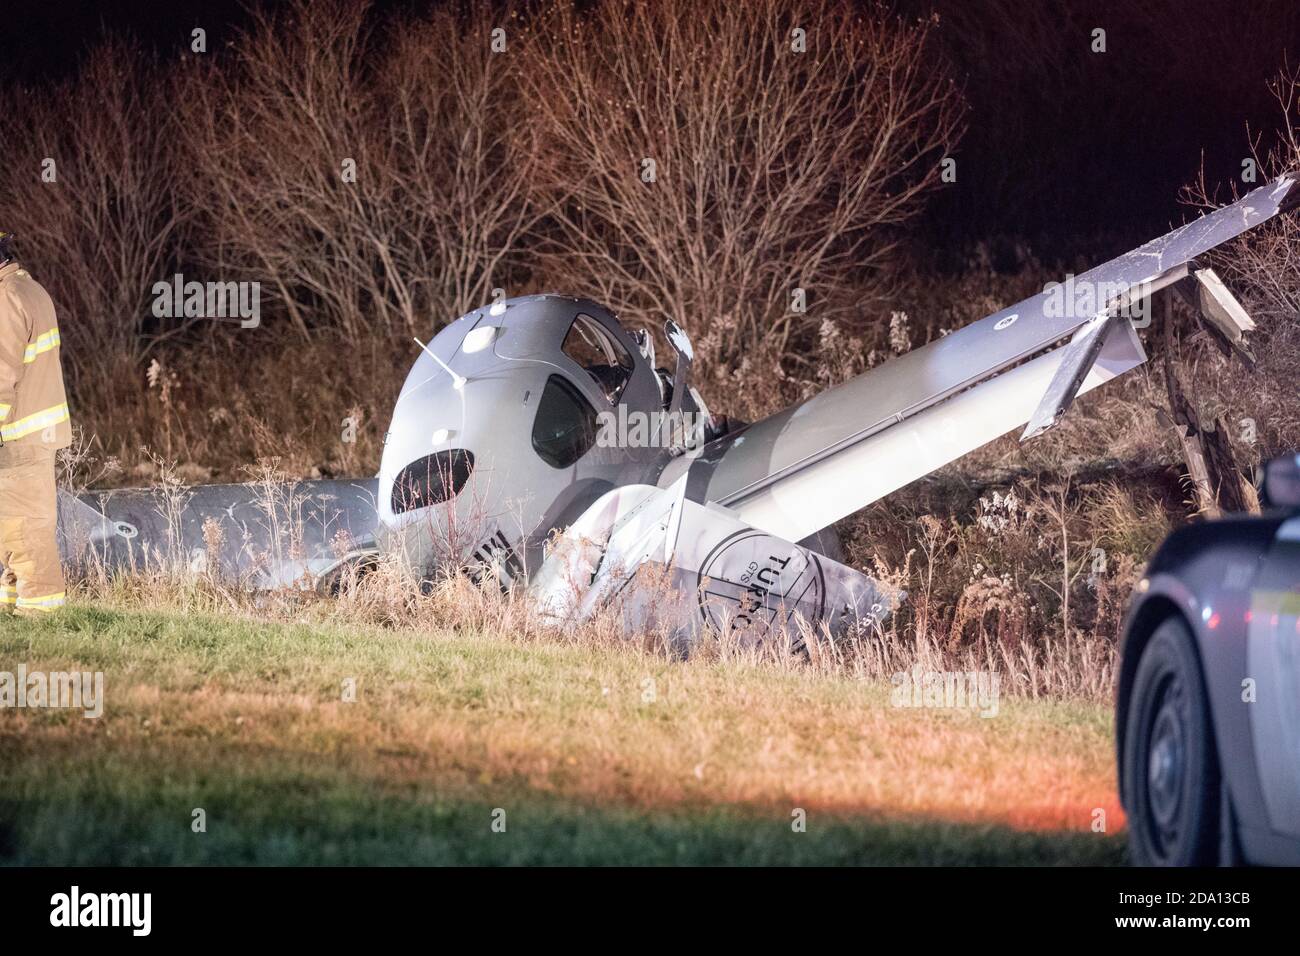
<point>705,161</point>
<point>372,181</point>
<point>91,184</point>
<point>1266,264</point>
<point>459,162</point>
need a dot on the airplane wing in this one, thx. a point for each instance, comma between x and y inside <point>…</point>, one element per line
<point>276,535</point>
<point>804,468</point>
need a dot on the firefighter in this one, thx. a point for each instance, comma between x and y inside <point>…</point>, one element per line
<point>33,426</point>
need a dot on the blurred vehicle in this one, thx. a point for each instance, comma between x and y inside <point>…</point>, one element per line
<point>1208,711</point>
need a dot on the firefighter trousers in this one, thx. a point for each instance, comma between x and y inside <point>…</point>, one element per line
<point>31,581</point>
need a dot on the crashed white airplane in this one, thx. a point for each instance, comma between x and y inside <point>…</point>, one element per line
<point>496,460</point>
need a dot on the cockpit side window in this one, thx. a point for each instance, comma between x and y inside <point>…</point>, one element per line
<point>600,354</point>
<point>565,427</point>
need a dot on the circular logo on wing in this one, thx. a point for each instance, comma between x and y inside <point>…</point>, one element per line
<point>753,578</point>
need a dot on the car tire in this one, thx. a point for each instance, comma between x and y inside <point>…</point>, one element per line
<point>1171,769</point>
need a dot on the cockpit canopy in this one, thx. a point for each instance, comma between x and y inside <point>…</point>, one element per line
<point>599,354</point>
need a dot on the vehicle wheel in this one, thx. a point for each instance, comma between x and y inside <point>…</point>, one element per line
<point>1170,766</point>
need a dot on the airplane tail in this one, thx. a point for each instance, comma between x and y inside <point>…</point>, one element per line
<point>683,567</point>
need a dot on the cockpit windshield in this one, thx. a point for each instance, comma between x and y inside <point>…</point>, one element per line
<point>600,355</point>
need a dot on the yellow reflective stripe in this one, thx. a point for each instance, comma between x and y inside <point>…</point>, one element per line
<point>4,411</point>
<point>43,343</point>
<point>47,603</point>
<point>34,423</point>
<point>8,595</point>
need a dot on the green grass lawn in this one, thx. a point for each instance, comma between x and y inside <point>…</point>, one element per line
<point>598,755</point>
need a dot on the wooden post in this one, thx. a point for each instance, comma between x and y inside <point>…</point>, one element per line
<point>1207,452</point>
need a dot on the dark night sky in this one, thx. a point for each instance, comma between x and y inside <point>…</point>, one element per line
<point>1075,152</point>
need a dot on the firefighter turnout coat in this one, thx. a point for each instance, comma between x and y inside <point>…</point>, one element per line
<point>34,424</point>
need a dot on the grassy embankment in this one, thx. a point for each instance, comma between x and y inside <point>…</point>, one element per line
<point>595,755</point>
